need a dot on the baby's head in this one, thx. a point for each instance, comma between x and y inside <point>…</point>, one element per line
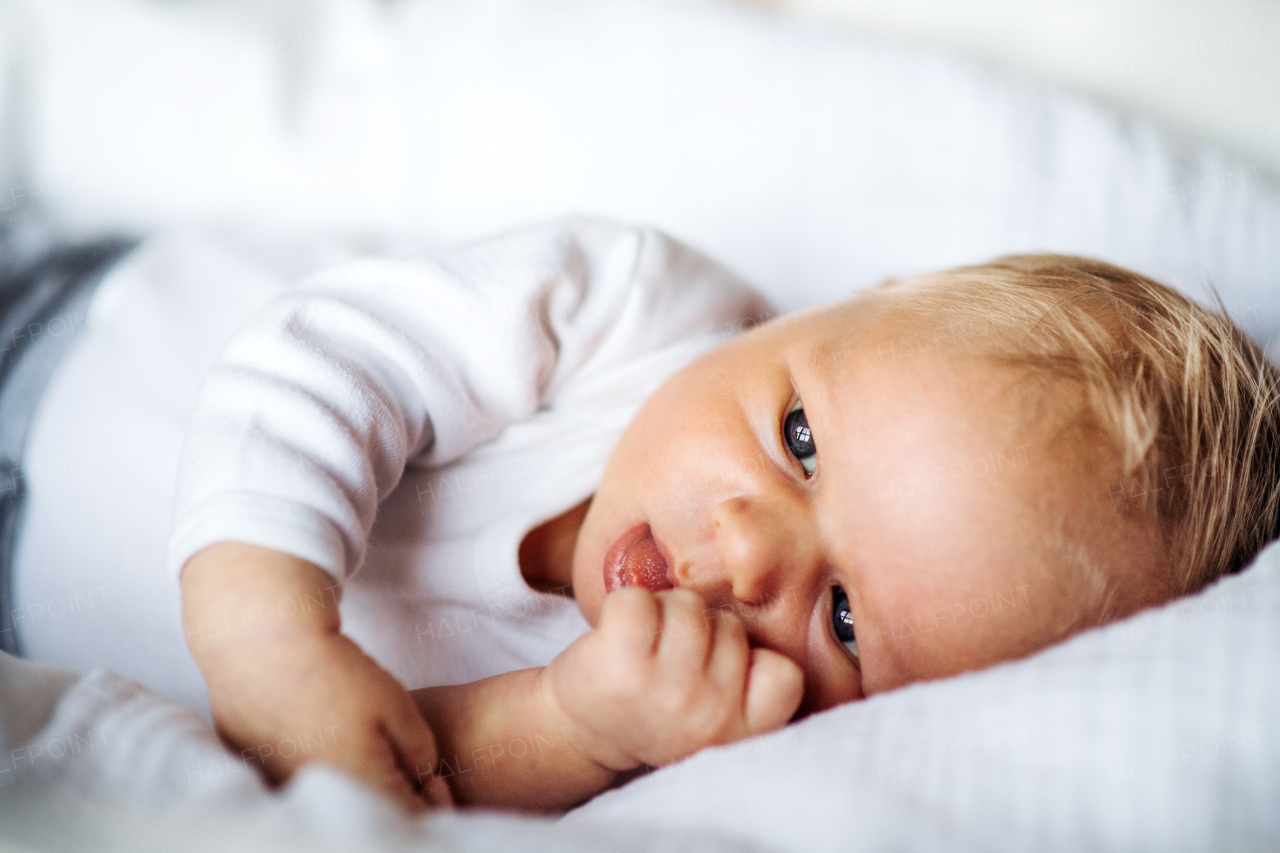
<point>947,471</point>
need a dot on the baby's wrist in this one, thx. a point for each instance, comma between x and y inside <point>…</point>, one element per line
<point>592,747</point>
<point>238,596</point>
<point>257,650</point>
<point>248,631</point>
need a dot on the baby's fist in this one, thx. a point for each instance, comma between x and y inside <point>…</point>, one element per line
<point>662,676</point>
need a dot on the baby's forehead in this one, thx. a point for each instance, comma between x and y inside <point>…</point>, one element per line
<point>876,353</point>
<point>877,327</point>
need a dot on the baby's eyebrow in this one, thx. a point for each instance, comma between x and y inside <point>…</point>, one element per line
<point>826,355</point>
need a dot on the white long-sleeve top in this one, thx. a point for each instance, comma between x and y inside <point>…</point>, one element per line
<point>442,408</point>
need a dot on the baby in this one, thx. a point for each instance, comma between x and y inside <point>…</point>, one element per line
<point>796,519</point>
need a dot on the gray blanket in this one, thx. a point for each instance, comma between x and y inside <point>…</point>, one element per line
<point>44,297</point>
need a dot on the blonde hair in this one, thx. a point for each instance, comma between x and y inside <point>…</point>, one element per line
<point>1189,403</point>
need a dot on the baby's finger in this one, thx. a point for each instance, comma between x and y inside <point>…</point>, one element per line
<point>687,630</point>
<point>631,619</point>
<point>731,655</point>
<point>414,746</point>
<point>775,686</point>
<point>373,759</point>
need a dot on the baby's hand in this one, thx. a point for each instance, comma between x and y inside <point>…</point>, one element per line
<point>323,699</point>
<point>286,687</point>
<point>663,676</point>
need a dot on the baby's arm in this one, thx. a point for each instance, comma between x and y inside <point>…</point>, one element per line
<point>660,678</point>
<point>316,408</point>
<point>285,686</point>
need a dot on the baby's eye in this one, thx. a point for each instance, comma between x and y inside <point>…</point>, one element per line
<point>795,431</point>
<point>842,620</point>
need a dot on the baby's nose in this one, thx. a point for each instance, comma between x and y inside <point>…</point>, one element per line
<point>757,549</point>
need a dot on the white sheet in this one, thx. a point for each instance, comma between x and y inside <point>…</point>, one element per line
<point>1156,733</point>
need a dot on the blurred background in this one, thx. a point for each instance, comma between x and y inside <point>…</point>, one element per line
<point>1207,67</point>
<point>813,145</point>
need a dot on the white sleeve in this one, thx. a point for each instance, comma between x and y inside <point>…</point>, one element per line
<point>307,422</point>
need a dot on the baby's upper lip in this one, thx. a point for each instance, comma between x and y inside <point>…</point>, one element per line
<point>666,555</point>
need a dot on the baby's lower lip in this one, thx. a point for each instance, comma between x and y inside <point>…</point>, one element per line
<point>635,560</point>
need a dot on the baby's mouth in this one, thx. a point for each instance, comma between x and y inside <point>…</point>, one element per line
<point>635,560</point>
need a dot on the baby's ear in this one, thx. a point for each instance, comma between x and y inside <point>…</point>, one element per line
<point>775,686</point>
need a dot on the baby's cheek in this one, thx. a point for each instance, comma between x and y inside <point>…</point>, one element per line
<point>828,686</point>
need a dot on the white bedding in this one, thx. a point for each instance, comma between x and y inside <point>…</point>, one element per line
<point>1156,733</point>
<point>809,161</point>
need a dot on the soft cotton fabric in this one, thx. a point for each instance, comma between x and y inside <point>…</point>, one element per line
<point>1153,734</point>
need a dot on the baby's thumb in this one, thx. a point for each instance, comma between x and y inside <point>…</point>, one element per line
<point>775,686</point>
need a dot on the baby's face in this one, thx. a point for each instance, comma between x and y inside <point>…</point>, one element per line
<point>877,512</point>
